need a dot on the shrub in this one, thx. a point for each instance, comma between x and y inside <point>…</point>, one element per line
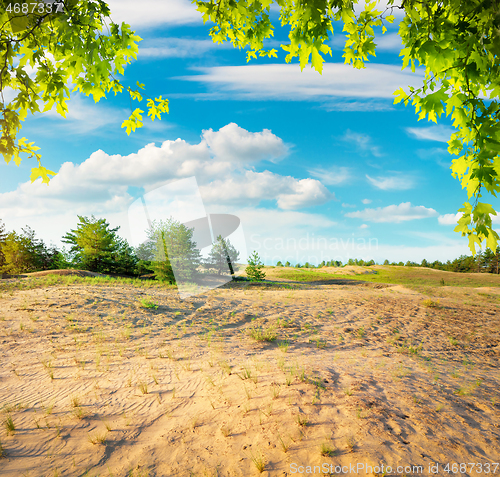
<point>254,270</point>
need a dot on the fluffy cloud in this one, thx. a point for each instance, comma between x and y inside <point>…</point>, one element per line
<point>254,187</point>
<point>449,219</point>
<point>366,201</point>
<point>394,213</point>
<point>221,162</point>
<point>391,183</point>
<point>235,144</point>
<point>434,133</point>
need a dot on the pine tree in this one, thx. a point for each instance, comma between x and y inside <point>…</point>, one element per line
<point>254,270</point>
<point>222,256</point>
<point>174,251</point>
<point>3,236</point>
<point>97,247</point>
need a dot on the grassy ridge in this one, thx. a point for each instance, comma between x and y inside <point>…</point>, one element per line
<point>53,280</point>
<point>394,275</point>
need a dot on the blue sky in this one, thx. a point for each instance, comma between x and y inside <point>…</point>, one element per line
<point>317,167</point>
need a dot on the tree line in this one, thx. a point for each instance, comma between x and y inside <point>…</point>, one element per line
<point>96,247</point>
<point>483,262</point>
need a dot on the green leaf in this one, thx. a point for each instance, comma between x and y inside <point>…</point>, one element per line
<point>42,172</point>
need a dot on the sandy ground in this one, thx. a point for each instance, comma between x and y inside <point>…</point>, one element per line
<point>359,375</point>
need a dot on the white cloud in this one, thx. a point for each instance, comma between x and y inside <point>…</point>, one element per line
<point>218,153</point>
<point>362,142</point>
<point>351,206</point>
<point>363,105</point>
<point>232,143</point>
<point>305,193</point>
<point>389,42</point>
<point>331,176</point>
<point>398,182</point>
<point>100,185</point>
<point>394,213</point>
<point>287,82</point>
<point>363,226</point>
<point>366,201</point>
<point>254,187</point>
<point>437,133</point>
<point>449,219</point>
<point>177,47</point>
<point>154,13</point>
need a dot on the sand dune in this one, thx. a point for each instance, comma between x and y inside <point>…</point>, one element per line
<point>357,375</point>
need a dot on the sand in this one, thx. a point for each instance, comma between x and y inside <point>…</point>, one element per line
<point>359,375</point>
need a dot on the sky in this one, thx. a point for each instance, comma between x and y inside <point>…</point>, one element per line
<point>317,167</point>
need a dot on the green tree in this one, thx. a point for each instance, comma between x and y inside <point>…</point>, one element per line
<point>287,264</point>
<point>457,43</point>
<point>24,252</point>
<point>77,44</point>
<point>3,236</point>
<point>97,247</point>
<point>254,270</point>
<point>124,258</point>
<point>223,255</point>
<point>174,249</point>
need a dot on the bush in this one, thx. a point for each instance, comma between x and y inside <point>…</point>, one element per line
<point>253,271</point>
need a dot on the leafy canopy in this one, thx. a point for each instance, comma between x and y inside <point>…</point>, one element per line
<point>457,42</point>
<point>53,50</point>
